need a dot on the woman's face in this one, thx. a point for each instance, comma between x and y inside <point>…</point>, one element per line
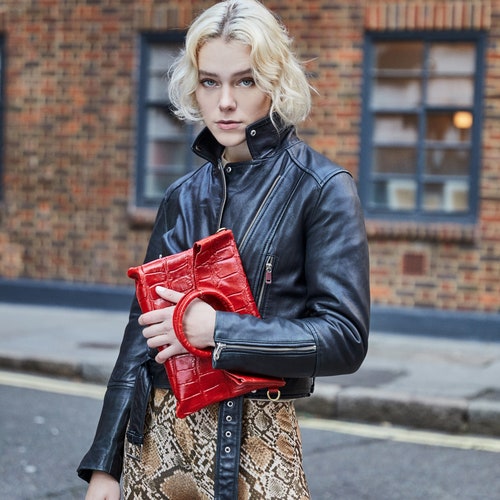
<point>227,96</point>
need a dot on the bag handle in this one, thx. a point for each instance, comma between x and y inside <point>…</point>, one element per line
<point>211,296</point>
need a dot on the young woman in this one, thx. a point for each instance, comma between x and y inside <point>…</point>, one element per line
<point>298,223</point>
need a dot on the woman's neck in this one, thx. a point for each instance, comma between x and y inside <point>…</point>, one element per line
<point>237,153</point>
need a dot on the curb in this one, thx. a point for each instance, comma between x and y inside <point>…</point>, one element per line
<point>329,401</point>
<point>84,372</point>
<point>457,416</point>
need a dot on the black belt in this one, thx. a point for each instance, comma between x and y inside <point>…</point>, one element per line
<point>295,388</point>
<point>227,462</point>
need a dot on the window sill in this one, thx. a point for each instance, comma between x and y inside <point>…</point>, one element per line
<point>440,232</point>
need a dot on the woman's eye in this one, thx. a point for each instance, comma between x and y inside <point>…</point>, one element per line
<point>207,82</point>
<point>247,82</point>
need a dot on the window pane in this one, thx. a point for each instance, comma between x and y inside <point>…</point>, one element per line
<point>456,196</point>
<point>395,160</point>
<point>166,155</point>
<point>449,128</point>
<point>166,163</point>
<point>162,123</point>
<point>396,93</point>
<point>447,161</point>
<point>395,129</point>
<point>456,58</point>
<point>399,56</point>
<point>157,87</point>
<point>450,91</point>
<point>164,130</point>
<point>378,194</point>
<point>401,194</point>
<point>450,196</point>
<point>394,194</point>
<point>155,183</point>
<point>161,58</point>
<point>433,197</point>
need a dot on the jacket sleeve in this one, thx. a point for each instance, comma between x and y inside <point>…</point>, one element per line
<point>106,452</point>
<point>332,337</point>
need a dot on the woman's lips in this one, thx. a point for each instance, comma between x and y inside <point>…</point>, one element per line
<point>228,124</point>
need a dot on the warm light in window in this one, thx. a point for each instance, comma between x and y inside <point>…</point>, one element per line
<point>462,119</point>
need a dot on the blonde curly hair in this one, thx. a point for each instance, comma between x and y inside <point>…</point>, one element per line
<point>276,70</point>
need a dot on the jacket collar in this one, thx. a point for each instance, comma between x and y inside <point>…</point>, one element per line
<point>262,138</point>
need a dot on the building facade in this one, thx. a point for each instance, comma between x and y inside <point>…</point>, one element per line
<point>407,100</point>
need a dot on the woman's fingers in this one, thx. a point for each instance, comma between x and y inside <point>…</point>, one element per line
<point>199,325</point>
<point>169,294</point>
<point>169,351</point>
<point>164,314</point>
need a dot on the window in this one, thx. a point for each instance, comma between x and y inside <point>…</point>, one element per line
<point>164,142</point>
<point>421,126</point>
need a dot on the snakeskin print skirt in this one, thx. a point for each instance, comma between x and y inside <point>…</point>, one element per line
<point>178,455</point>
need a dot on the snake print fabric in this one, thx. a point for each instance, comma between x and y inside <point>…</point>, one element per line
<point>178,455</point>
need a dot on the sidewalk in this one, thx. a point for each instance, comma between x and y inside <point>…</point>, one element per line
<point>415,381</point>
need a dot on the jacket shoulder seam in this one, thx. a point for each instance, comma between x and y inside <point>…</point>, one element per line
<point>332,170</point>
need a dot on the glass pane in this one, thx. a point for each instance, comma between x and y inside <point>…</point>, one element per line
<point>450,128</point>
<point>396,93</point>
<point>450,91</point>
<point>395,129</point>
<point>161,58</point>
<point>378,195</point>
<point>450,196</point>
<point>162,124</point>
<point>399,55</point>
<point>166,153</point>
<point>452,58</point>
<point>433,197</point>
<point>157,87</point>
<point>395,160</point>
<point>447,161</point>
<point>399,194</point>
<point>456,196</point>
<point>155,183</point>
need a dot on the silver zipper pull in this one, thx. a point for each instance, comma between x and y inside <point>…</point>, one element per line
<point>269,272</point>
<point>218,349</point>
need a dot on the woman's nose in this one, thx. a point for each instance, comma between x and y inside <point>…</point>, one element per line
<point>227,99</point>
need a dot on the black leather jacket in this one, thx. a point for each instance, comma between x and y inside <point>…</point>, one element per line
<point>298,223</point>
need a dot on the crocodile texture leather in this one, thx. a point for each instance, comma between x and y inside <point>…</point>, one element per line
<point>211,270</point>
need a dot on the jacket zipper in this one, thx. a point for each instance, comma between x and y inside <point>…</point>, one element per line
<point>268,279</point>
<point>268,195</point>
<point>222,346</point>
<point>224,194</point>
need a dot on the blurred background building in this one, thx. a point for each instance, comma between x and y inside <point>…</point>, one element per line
<point>408,101</point>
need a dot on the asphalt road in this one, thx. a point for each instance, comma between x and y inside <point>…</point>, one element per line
<point>46,425</point>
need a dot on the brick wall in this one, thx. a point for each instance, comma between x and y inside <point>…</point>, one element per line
<point>69,141</point>
<point>68,147</point>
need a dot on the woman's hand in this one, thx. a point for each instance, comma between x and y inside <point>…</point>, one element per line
<point>103,486</point>
<point>198,322</point>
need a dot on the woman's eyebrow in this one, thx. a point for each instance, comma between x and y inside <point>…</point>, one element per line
<point>215,75</point>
